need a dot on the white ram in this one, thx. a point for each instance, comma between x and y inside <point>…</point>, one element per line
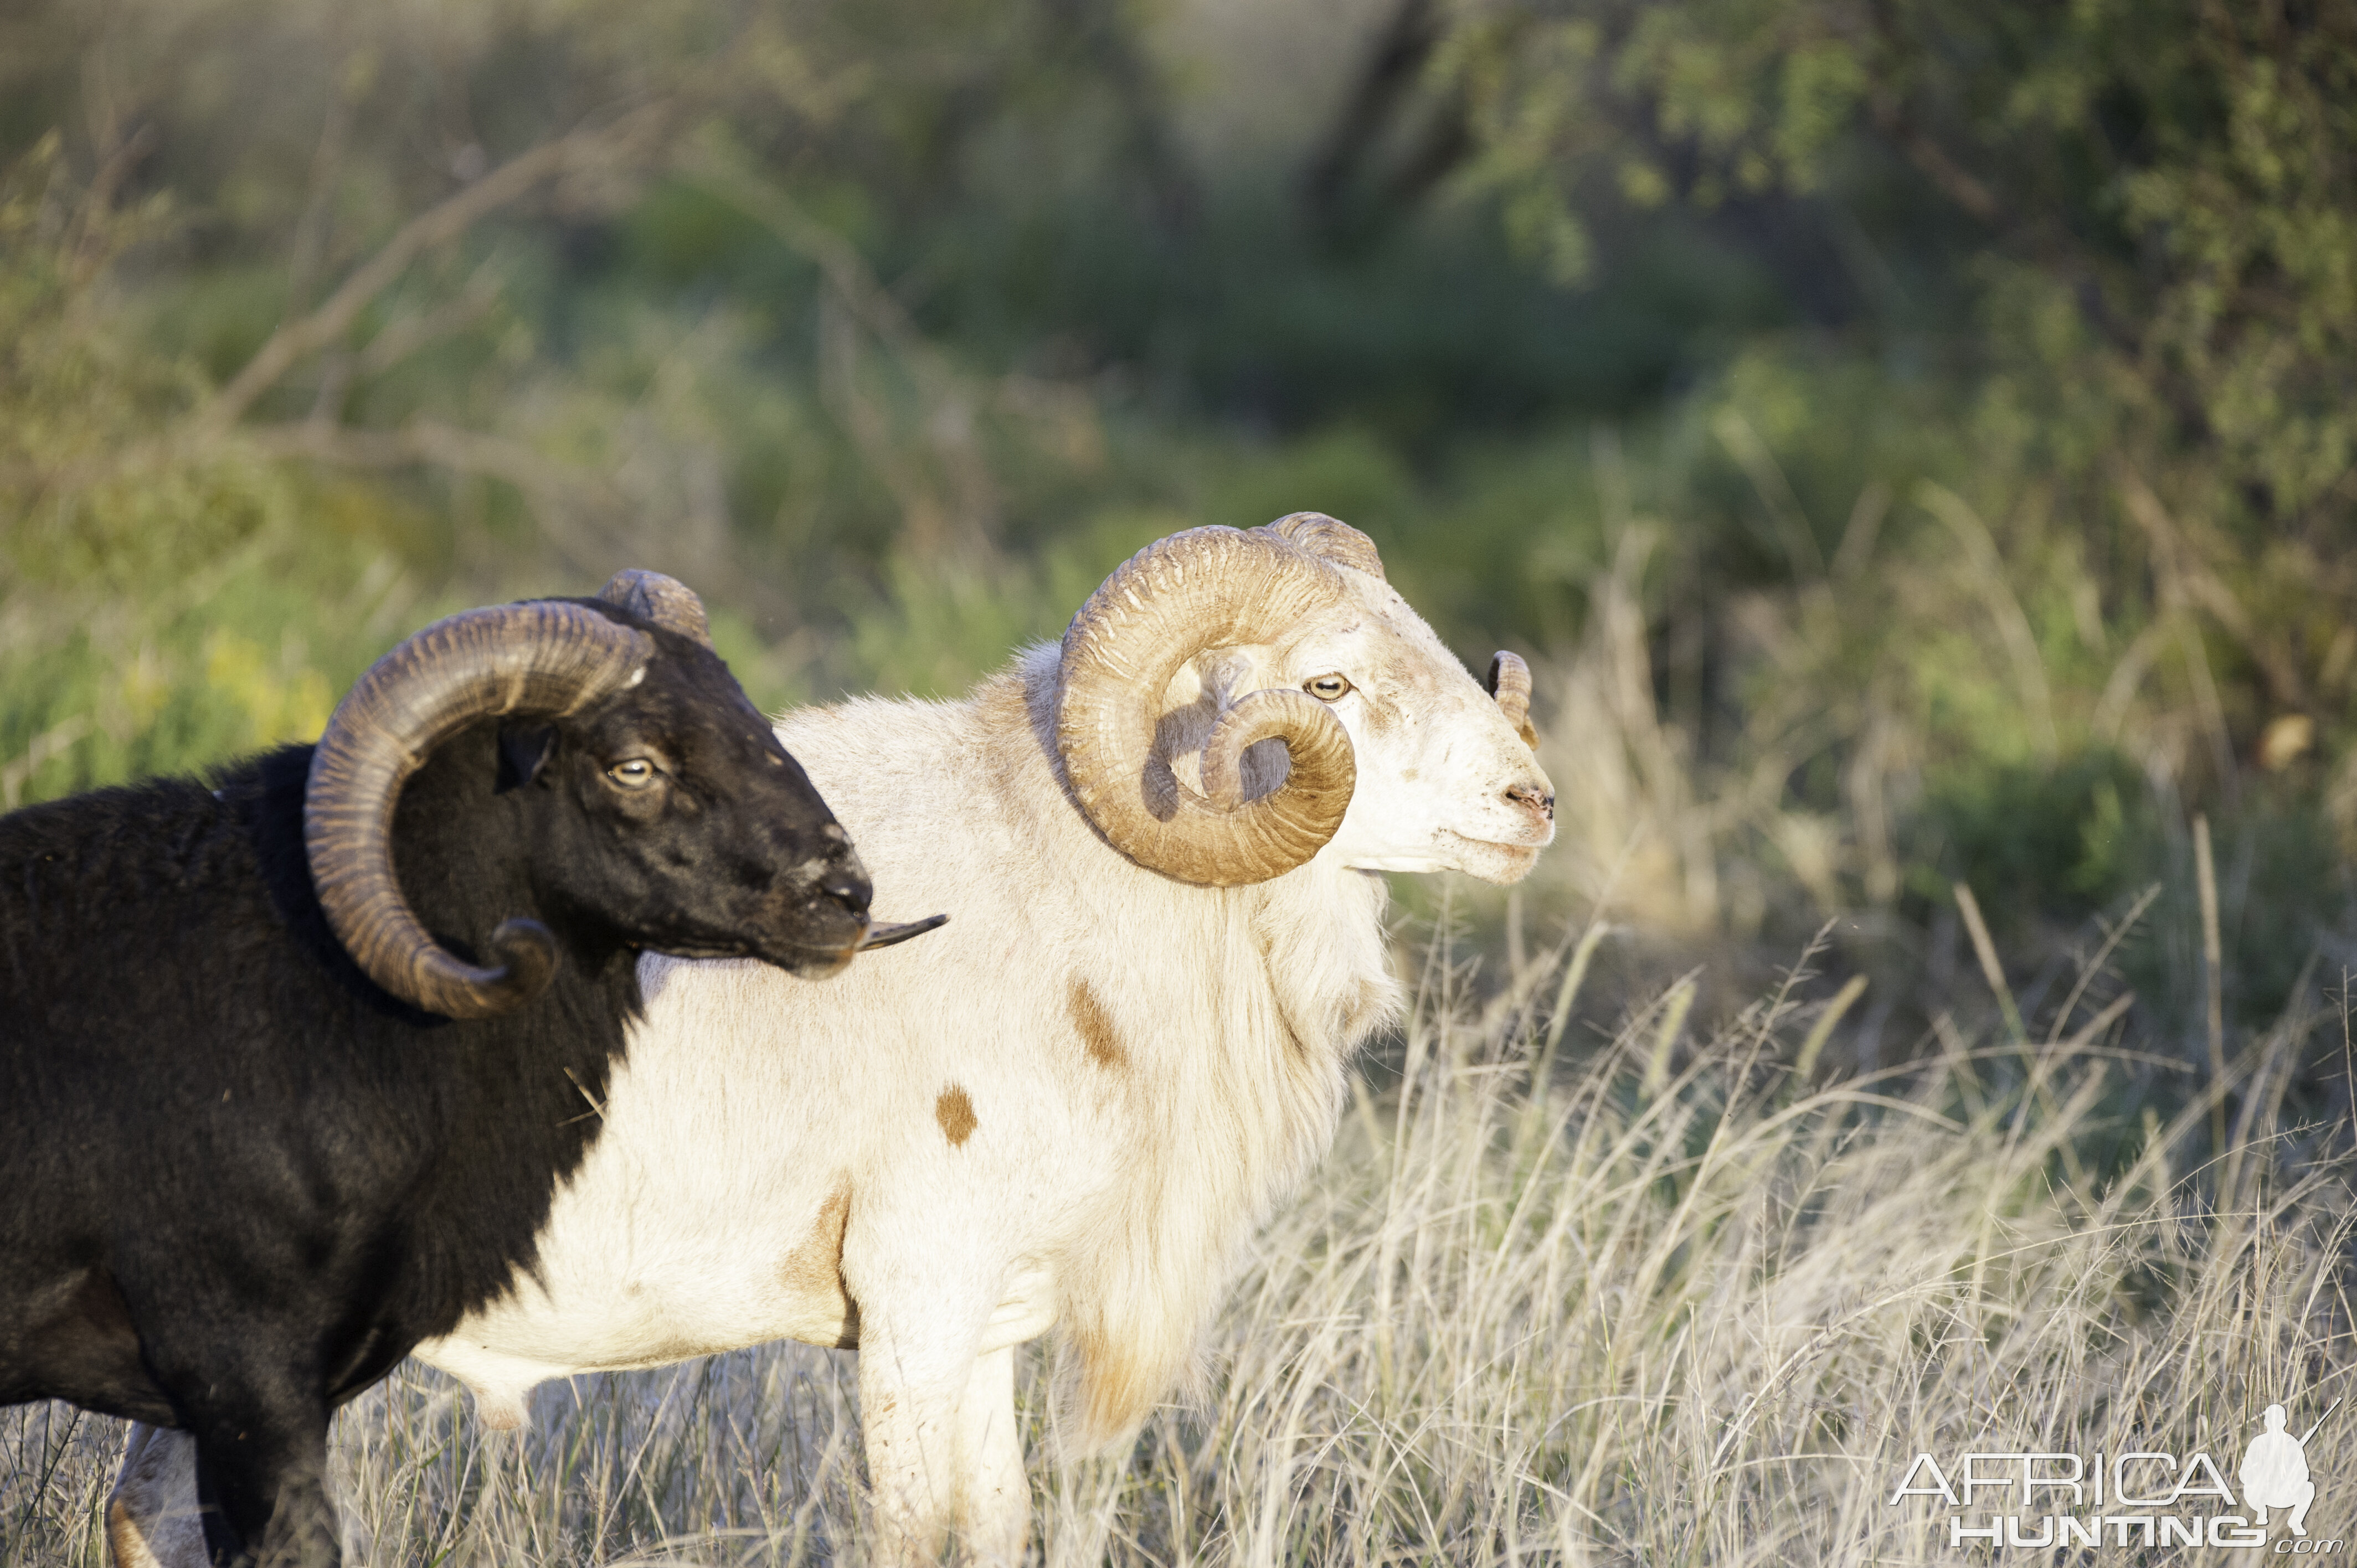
<point>1069,1109</point>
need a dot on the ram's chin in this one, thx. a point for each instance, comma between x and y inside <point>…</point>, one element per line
<point>1502,863</point>
<point>812,963</point>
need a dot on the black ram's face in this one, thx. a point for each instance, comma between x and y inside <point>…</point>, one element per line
<point>690,825</point>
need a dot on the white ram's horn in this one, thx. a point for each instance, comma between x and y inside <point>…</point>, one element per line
<point>1209,587</point>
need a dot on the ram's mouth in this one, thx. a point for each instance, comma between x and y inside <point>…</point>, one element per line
<point>1496,860</point>
<point>702,949</point>
<point>809,958</point>
<point>1499,846</point>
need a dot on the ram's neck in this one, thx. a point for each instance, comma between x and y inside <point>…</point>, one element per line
<point>1317,931</point>
<point>1257,997</point>
<point>497,1105</point>
<point>1315,934</point>
<point>463,852</point>
<point>1322,931</point>
<point>454,842</point>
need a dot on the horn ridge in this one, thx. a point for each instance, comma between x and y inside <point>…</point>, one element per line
<point>541,657</point>
<point>1328,537</point>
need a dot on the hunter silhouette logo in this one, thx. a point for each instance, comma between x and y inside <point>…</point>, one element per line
<point>2274,1471</point>
<point>2139,1498</point>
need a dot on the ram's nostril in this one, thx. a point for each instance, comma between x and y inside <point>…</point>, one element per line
<point>851,892</point>
<point>1531,797</point>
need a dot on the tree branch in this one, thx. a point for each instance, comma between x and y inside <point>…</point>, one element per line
<point>575,152</point>
<point>1336,177</point>
<point>1955,182</point>
<point>403,337</point>
<point>967,517</point>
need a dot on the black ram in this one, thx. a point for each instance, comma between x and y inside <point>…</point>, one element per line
<point>293,1059</point>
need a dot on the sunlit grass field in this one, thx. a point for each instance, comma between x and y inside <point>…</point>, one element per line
<point>1669,1295</point>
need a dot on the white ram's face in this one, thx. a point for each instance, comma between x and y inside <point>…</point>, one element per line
<point>1444,781</point>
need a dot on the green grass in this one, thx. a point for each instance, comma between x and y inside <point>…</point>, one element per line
<point>1554,1297</point>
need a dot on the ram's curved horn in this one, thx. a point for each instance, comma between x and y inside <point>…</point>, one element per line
<point>539,658</point>
<point>1510,683</point>
<point>1209,587</point>
<point>666,601</point>
<point>1331,537</point>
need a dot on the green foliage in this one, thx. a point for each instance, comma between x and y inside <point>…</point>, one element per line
<point>2056,840</point>
<point>159,603</point>
<point>2152,200</point>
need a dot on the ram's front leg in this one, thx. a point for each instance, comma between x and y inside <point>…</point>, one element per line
<point>911,1393</point>
<point>993,1504</point>
<point>152,1519</point>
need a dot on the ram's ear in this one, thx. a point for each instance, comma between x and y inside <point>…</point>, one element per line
<point>524,752</point>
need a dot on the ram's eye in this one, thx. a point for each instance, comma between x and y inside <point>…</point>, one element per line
<point>636,773</point>
<point>1326,688</point>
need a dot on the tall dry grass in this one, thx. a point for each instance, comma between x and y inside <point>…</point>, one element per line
<point>1654,1299</point>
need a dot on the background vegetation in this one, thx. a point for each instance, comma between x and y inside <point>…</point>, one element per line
<point>1913,443</point>
<point>1916,448</point>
